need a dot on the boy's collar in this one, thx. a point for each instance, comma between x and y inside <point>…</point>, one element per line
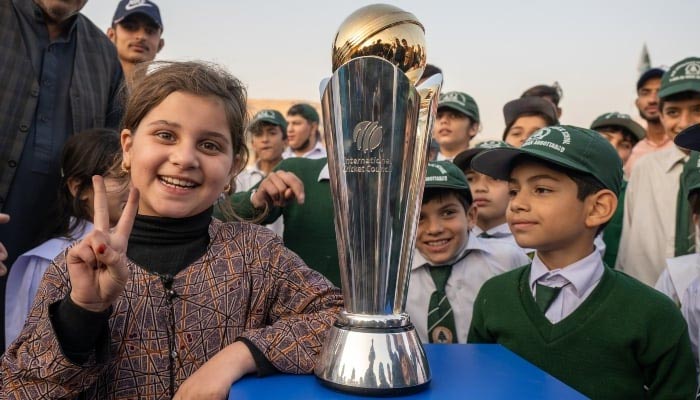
<point>581,274</point>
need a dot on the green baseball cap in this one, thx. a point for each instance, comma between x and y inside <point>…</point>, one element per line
<point>568,146</point>
<point>444,174</point>
<point>305,110</point>
<point>272,116</point>
<point>621,121</point>
<point>464,159</point>
<point>460,102</point>
<point>684,76</point>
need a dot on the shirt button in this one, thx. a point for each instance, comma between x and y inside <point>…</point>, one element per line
<point>35,92</point>
<point>24,127</point>
<point>12,163</point>
<point>174,354</point>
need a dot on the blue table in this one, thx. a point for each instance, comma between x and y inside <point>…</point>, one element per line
<point>471,371</point>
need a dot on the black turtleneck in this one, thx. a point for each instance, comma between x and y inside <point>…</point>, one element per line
<point>166,246</point>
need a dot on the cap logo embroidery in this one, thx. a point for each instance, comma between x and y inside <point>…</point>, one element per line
<point>537,139</point>
<point>489,144</point>
<point>687,70</point>
<point>616,115</point>
<point>136,4</point>
<point>367,135</point>
<point>265,114</point>
<point>455,97</point>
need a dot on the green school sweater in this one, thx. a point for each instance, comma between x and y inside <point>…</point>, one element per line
<point>624,336</point>
<point>309,230</point>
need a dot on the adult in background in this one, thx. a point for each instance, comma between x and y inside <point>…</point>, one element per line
<point>647,103</point>
<point>303,136</point>
<point>60,74</point>
<point>136,31</point>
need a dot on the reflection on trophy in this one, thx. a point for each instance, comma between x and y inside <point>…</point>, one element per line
<point>377,127</point>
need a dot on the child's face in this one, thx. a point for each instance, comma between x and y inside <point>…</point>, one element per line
<point>443,228</point>
<point>678,115</point>
<point>544,212</point>
<point>490,198</point>
<point>268,143</point>
<point>453,129</point>
<point>621,142</point>
<point>523,128</point>
<point>181,156</point>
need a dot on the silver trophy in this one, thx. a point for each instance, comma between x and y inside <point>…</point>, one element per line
<point>377,129</point>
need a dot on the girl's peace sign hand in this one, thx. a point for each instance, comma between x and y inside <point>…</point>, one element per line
<point>97,264</point>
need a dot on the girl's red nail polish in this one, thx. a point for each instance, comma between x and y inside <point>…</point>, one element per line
<point>101,248</point>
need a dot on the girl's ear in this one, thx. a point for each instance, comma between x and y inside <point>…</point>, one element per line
<point>127,140</point>
<point>73,186</point>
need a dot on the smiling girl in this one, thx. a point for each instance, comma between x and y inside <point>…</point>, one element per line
<point>172,303</point>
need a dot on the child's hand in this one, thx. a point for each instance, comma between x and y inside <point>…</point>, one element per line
<point>277,188</point>
<point>213,380</point>
<point>97,264</point>
<point>4,218</point>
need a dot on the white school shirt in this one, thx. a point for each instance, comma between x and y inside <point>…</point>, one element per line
<point>649,223</point>
<point>690,308</point>
<point>318,151</point>
<point>25,276</point>
<point>485,260</point>
<point>678,275</point>
<point>578,281</point>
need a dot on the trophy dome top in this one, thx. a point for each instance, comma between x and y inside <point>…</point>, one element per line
<point>383,31</point>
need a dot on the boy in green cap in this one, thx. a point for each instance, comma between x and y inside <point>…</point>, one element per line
<point>656,224</point>
<point>690,298</point>
<point>451,263</point>
<point>594,328</point>
<point>623,133</point>
<point>456,123</point>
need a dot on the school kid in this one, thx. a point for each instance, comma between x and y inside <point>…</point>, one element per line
<point>594,328</point>
<point>690,298</point>
<point>524,116</point>
<point>656,220</point>
<point>490,195</point>
<point>456,123</point>
<point>85,154</point>
<point>450,262</point>
<point>172,303</point>
<point>623,133</point>
<point>682,270</point>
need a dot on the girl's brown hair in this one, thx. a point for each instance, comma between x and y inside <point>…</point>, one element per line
<point>156,81</point>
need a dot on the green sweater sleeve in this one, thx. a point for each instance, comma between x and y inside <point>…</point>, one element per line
<point>667,360</point>
<point>241,205</point>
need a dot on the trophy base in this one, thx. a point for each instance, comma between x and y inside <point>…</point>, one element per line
<point>372,361</point>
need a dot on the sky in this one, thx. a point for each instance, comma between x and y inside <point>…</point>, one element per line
<point>493,50</point>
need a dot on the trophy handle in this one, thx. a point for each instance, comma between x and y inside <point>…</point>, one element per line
<point>429,93</point>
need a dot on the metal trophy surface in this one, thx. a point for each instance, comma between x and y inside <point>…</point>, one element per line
<point>377,127</point>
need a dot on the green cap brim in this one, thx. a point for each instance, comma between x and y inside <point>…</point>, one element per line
<point>690,85</point>
<point>498,163</point>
